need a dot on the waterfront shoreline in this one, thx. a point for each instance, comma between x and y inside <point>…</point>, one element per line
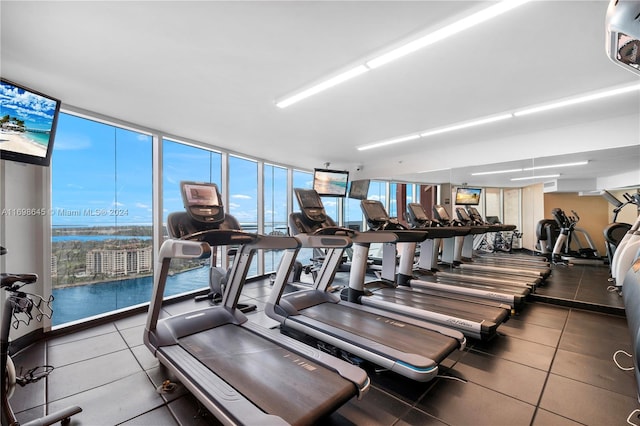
<point>123,278</point>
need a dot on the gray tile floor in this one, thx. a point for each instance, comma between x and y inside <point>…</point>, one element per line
<point>550,365</point>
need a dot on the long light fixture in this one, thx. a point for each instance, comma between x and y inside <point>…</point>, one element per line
<point>445,32</point>
<point>465,125</point>
<point>322,86</point>
<point>555,166</point>
<point>536,177</point>
<point>615,91</point>
<point>527,169</point>
<point>437,131</point>
<point>390,142</point>
<point>577,100</point>
<point>405,49</point>
<point>496,172</point>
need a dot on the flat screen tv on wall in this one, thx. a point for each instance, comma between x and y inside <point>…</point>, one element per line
<point>468,196</point>
<point>330,183</point>
<point>27,124</point>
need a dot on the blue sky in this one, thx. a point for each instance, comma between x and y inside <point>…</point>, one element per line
<point>104,173</point>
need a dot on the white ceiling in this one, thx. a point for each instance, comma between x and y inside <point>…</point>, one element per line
<point>210,71</point>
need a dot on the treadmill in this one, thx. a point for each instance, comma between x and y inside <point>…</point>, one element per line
<point>452,255</point>
<point>424,278</point>
<point>510,258</point>
<point>241,372</point>
<point>467,257</point>
<point>474,318</point>
<point>398,343</point>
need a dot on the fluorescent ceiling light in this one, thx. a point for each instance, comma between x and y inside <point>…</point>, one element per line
<point>497,172</point>
<point>536,177</point>
<point>445,32</point>
<point>435,170</point>
<point>405,49</point>
<point>465,125</point>
<point>390,142</point>
<point>591,97</point>
<point>438,131</point>
<point>324,85</point>
<point>577,100</point>
<point>553,166</point>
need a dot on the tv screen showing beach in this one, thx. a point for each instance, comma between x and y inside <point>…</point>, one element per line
<point>330,183</point>
<point>468,196</point>
<point>27,124</point>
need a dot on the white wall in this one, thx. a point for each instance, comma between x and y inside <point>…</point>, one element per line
<point>25,228</point>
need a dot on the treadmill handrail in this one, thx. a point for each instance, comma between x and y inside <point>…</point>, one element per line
<point>324,241</point>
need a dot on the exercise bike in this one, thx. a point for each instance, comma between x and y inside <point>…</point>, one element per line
<point>21,308</point>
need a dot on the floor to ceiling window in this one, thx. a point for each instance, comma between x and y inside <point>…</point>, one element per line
<point>243,197</point>
<point>275,210</point>
<point>101,218</point>
<point>182,162</point>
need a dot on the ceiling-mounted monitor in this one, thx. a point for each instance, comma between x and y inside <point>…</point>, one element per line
<point>27,124</point>
<point>468,196</point>
<point>623,34</point>
<point>359,189</point>
<point>330,183</point>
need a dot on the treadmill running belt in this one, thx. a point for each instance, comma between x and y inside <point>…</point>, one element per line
<point>405,337</point>
<point>467,310</point>
<point>276,380</point>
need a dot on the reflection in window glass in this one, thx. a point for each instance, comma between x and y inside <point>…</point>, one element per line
<point>302,180</point>
<point>492,202</point>
<point>101,200</point>
<point>275,210</point>
<point>378,191</point>
<point>393,201</point>
<point>353,216</point>
<point>512,207</point>
<point>411,190</point>
<point>243,197</point>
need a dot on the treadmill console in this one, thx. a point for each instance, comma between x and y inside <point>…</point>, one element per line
<point>440,214</point>
<point>202,201</point>
<point>311,204</point>
<point>417,216</point>
<point>463,216</point>
<point>377,217</point>
<point>374,212</point>
<point>475,214</point>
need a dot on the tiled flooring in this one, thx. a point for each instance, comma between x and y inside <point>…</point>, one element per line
<point>551,365</point>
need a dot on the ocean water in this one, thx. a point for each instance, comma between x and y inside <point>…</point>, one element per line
<point>73,303</point>
<point>39,138</point>
<point>83,238</point>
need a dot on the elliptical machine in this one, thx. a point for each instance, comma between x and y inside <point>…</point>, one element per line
<point>569,233</point>
<point>20,307</point>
